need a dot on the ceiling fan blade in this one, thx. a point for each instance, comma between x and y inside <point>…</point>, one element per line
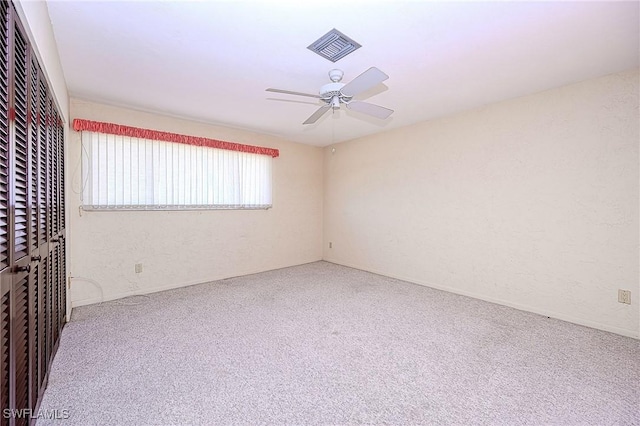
<point>370,109</point>
<point>316,115</point>
<point>368,79</point>
<point>289,92</point>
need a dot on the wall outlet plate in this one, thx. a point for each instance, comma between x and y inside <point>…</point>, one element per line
<point>624,296</point>
<point>138,268</point>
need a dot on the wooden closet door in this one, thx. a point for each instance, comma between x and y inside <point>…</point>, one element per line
<point>32,224</point>
<point>20,170</point>
<point>42,240</point>
<point>32,208</point>
<point>5,269</point>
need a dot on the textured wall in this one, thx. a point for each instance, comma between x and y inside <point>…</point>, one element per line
<point>181,248</point>
<point>531,202</point>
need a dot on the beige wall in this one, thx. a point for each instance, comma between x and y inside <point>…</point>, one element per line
<point>189,247</point>
<point>531,203</point>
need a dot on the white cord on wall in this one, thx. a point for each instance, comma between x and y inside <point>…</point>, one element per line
<point>84,179</point>
<point>114,302</point>
<point>94,282</point>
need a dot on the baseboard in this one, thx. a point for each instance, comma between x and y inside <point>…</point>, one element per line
<point>122,295</point>
<point>536,310</point>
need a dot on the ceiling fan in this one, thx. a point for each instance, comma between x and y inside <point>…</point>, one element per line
<point>335,93</point>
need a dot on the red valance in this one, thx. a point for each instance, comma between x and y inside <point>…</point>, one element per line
<point>136,132</point>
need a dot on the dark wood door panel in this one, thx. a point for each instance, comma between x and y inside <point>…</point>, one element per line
<point>32,223</point>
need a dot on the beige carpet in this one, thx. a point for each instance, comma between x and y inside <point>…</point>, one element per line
<point>325,344</point>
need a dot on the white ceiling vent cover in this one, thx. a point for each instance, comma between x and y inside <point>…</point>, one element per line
<point>334,45</point>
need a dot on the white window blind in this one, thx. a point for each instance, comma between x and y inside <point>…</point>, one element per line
<point>129,173</point>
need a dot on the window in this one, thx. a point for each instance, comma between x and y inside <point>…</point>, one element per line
<point>131,173</point>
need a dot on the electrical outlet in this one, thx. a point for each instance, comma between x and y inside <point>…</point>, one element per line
<point>624,296</point>
<point>138,268</point>
<point>330,245</point>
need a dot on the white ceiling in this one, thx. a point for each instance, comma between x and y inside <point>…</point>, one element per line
<point>212,60</point>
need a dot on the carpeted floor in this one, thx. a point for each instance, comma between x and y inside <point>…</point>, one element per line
<point>325,344</point>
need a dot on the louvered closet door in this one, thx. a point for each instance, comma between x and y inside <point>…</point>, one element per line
<point>32,207</point>
<point>5,266</point>
<point>48,278</point>
<point>42,234</point>
<point>53,270</point>
<point>55,228</point>
<point>32,222</point>
<point>22,314</point>
<point>59,212</point>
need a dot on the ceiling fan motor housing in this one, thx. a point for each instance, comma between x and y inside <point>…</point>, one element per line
<point>332,95</point>
<point>331,89</point>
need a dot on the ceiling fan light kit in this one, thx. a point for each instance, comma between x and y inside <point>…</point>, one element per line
<point>335,93</point>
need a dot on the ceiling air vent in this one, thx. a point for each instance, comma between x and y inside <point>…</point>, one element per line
<point>334,45</point>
